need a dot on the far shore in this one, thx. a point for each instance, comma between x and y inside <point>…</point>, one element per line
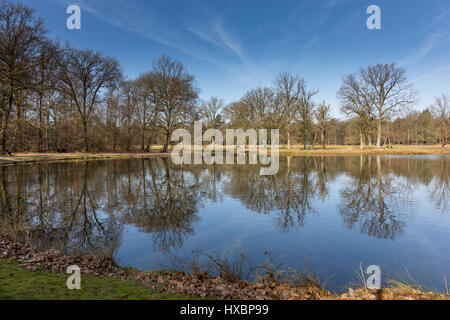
<point>41,157</point>
<point>295,150</point>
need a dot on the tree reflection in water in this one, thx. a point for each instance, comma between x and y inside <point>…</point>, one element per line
<point>166,205</point>
<point>365,202</point>
<point>440,185</point>
<point>58,206</point>
<point>84,206</point>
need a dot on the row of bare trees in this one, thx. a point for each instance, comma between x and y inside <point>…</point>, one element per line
<point>287,106</point>
<point>378,94</point>
<point>154,104</point>
<point>42,82</point>
<point>376,100</point>
<point>60,98</point>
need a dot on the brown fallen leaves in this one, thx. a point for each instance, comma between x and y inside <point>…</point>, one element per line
<point>203,285</point>
<point>399,292</point>
<point>55,261</point>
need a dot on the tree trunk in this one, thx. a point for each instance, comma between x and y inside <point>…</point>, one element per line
<point>19,145</point>
<point>47,124</point>
<point>166,143</point>
<point>128,141</point>
<point>143,139</point>
<point>304,138</point>
<point>288,140</point>
<point>379,134</point>
<point>323,140</point>
<point>4,125</point>
<point>85,136</point>
<point>361,139</point>
<point>150,139</point>
<point>40,125</point>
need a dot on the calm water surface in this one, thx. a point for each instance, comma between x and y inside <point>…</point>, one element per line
<point>333,212</point>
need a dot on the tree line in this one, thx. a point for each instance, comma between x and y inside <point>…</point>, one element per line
<point>58,98</point>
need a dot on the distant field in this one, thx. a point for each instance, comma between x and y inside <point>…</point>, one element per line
<point>396,149</point>
<point>294,150</point>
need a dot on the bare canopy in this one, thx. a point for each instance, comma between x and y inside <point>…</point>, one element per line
<point>21,35</point>
<point>84,73</point>
<point>441,111</point>
<point>376,92</point>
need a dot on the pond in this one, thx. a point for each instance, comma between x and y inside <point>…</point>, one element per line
<point>329,213</point>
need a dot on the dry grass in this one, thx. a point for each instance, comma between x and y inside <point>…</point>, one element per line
<point>39,157</point>
<point>343,150</point>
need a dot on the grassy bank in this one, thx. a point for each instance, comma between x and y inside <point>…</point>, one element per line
<point>294,150</point>
<point>19,283</point>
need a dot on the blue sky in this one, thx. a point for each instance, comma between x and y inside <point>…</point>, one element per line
<point>233,46</point>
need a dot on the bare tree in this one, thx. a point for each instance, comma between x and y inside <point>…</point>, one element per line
<point>21,35</point>
<point>211,112</point>
<point>441,111</point>
<point>306,110</point>
<point>128,105</point>
<point>146,89</point>
<point>174,94</point>
<point>84,73</point>
<point>112,118</point>
<point>323,121</point>
<point>257,104</point>
<point>356,103</point>
<point>235,115</point>
<point>290,89</point>
<point>45,83</point>
<point>386,87</point>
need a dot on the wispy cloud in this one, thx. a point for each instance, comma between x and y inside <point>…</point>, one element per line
<point>138,20</point>
<point>436,75</point>
<point>220,38</point>
<point>314,24</point>
<point>143,23</point>
<point>245,71</point>
<point>437,20</point>
<point>205,37</point>
<point>431,42</point>
<point>438,37</point>
<point>229,41</point>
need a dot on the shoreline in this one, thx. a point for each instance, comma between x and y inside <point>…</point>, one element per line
<point>47,157</point>
<point>294,151</point>
<point>41,268</point>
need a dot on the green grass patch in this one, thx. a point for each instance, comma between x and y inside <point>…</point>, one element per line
<point>18,283</point>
